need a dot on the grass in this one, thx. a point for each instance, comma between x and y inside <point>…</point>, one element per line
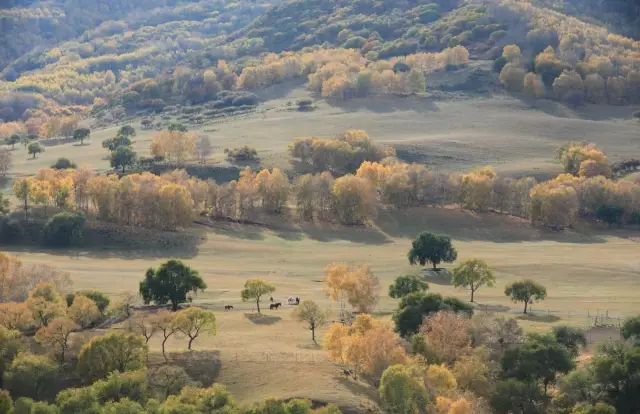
<point>586,271</point>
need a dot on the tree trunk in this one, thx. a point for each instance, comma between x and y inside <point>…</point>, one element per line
<point>174,306</point>
<point>26,209</point>
<point>123,166</point>
<point>313,334</point>
<point>190,342</point>
<point>472,292</point>
<point>258,304</point>
<point>163,352</point>
<point>435,266</point>
<point>62,354</point>
<point>526,303</point>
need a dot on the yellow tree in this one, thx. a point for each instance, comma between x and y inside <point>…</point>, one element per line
<point>10,276</point>
<point>193,322</point>
<point>83,311</point>
<point>177,206</point>
<point>15,316</point>
<point>22,189</point>
<point>56,334</point>
<point>447,335</point>
<point>41,194</point>
<point>44,303</point>
<point>355,201</point>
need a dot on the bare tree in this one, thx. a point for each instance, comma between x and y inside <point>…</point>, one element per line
<point>203,148</point>
<point>6,162</point>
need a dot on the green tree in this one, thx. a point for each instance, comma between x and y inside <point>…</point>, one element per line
<point>63,164</point>
<point>112,143</point>
<point>631,328</point>
<point>432,248</point>
<point>177,127</point>
<point>34,149</point>
<point>598,408</point>
<point>123,157</point>
<point>32,376</point>
<point>192,322</point>
<point>308,311</point>
<point>413,308</point>
<point>617,371</point>
<point>539,359</point>
<point>78,401</point>
<point>170,283</point>
<point>526,291</point>
<point>517,397</point>
<point>81,134</point>
<point>22,190</point>
<point>407,284</point>
<point>127,131</point>
<point>25,405</point>
<point>6,403</point>
<point>115,351</point>
<point>401,391</point>
<point>572,338</point>
<point>472,274</point>
<point>100,299</point>
<point>10,346</point>
<point>13,140</point>
<point>133,385</point>
<point>63,229</point>
<point>255,289</point>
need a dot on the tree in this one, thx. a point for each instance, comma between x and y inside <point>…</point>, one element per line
<point>63,229</point>
<point>472,274</point>
<point>539,359</point>
<point>83,311</point>
<point>170,283</point>
<point>63,164</point>
<point>57,334</point>
<point>414,307</point>
<point>447,336</point>
<point>78,400</point>
<point>512,396</point>
<point>512,77</point>
<point>115,351</point>
<point>120,141</point>
<point>15,316</point>
<point>169,380</point>
<point>616,369</point>
<point>407,284</point>
<point>631,328</point>
<point>165,322</point>
<point>526,291</point>
<point>598,408</point>
<point>203,147</point>
<point>609,213</point>
<point>127,131</point>
<point>34,149</point>
<point>354,199</point>
<point>6,161</point>
<point>402,391</point>
<point>13,140</point>
<point>195,321</point>
<point>81,134</point>
<point>10,346</point>
<point>32,376</point>
<point>177,127</point>
<point>571,338</point>
<point>44,303</point>
<point>142,323</point>
<point>22,191</point>
<point>132,385</point>
<point>432,248</point>
<point>6,403</point>
<point>100,299</point>
<point>123,157</point>
<point>308,311</point>
<point>255,289</point>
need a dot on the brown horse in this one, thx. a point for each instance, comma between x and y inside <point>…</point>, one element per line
<point>275,306</point>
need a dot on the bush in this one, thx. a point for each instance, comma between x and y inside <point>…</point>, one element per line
<point>63,229</point>
<point>304,104</point>
<point>10,231</point>
<point>248,99</point>
<point>63,164</point>
<point>100,299</point>
<point>245,153</point>
<point>499,64</point>
<point>636,114</point>
<point>497,35</point>
<point>31,376</point>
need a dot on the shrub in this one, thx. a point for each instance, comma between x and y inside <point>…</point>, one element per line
<point>63,229</point>
<point>63,164</point>
<point>244,153</point>
<point>499,63</point>
<point>10,230</point>
<point>497,35</point>
<point>248,99</point>
<point>31,376</point>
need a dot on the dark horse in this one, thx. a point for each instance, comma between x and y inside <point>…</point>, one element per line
<point>275,306</point>
<point>228,307</point>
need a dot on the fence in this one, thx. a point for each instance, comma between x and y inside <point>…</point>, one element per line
<point>273,357</point>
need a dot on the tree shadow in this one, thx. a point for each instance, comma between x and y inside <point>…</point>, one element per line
<point>586,112</point>
<point>441,277</point>
<point>202,366</point>
<point>359,388</point>
<point>262,319</point>
<point>532,317</point>
<point>472,226</point>
<point>314,346</point>
<point>387,104</point>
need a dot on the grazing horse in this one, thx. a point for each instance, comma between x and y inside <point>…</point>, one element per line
<point>275,306</point>
<point>228,307</point>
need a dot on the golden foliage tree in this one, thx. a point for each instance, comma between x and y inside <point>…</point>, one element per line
<point>192,322</point>
<point>447,336</point>
<point>83,311</point>
<point>45,303</point>
<point>15,316</point>
<point>354,199</point>
<point>357,286</point>
<point>56,334</point>
<point>174,146</point>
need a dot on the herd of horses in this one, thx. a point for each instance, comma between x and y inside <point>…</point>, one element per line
<point>272,306</point>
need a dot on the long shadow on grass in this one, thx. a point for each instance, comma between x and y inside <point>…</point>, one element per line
<point>357,387</point>
<point>202,366</point>
<point>262,319</point>
<point>386,104</point>
<point>470,226</point>
<point>588,112</point>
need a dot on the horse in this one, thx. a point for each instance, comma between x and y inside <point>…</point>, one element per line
<point>275,306</point>
<point>228,307</point>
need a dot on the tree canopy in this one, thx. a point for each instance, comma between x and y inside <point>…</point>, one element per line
<point>406,284</point>
<point>170,283</point>
<point>472,274</point>
<point>432,248</point>
<point>526,291</point>
<point>255,289</point>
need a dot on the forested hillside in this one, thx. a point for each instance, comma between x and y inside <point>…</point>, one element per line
<point>64,58</point>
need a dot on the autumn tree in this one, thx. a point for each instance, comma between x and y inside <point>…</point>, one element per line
<point>173,145</point>
<point>83,311</point>
<point>432,248</point>
<point>472,274</point>
<point>526,291</point>
<point>406,284</point>
<point>193,322</point>
<point>512,77</point>
<point>114,351</point>
<point>15,316</point>
<point>447,336</point>
<point>34,149</point>
<point>81,134</point>
<point>56,334</point>
<point>142,323</point>
<point>533,85</point>
<point>554,204</point>
<point>402,390</point>
<point>170,283</point>
<point>357,286</point>
<point>308,311</point>
<point>22,191</point>
<point>167,324</point>
<point>354,199</point>
<point>123,157</point>
<point>45,303</point>
<point>255,289</point>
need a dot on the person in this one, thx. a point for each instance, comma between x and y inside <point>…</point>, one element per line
<point>271,299</point>
<point>297,301</point>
